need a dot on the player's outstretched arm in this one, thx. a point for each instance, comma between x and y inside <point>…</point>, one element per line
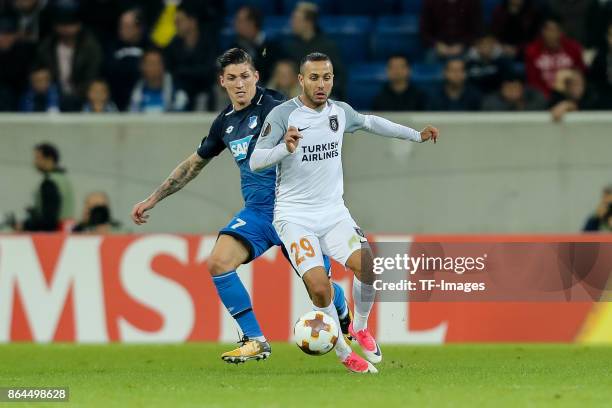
<point>383,127</point>
<point>180,176</point>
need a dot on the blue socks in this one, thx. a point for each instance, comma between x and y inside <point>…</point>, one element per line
<point>238,303</point>
<point>340,301</point>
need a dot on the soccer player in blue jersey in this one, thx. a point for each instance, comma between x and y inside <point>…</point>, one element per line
<point>250,233</point>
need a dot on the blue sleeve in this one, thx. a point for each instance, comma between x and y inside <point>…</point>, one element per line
<point>212,145</point>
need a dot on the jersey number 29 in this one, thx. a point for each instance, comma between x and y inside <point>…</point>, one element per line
<point>306,246</point>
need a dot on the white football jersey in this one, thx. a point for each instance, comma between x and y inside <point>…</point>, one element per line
<point>309,182</point>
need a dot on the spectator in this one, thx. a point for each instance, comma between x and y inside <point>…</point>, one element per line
<point>284,79</point>
<point>514,96</point>
<point>307,38</point>
<point>549,54</point>
<point>398,94</point>
<point>515,23</point>
<point>33,21</point>
<point>190,57</point>
<point>572,16</point>
<point>601,220</point>
<point>43,95</point>
<point>101,18</point>
<point>449,26</point>
<point>98,98</point>
<point>251,38</point>
<point>53,200</point>
<point>123,62</point>
<point>73,55</point>
<point>96,216</point>
<point>455,94</point>
<point>601,70</point>
<point>598,20</point>
<point>160,14</point>
<point>486,64</point>
<point>574,95</point>
<point>164,28</point>
<point>15,59</point>
<point>156,91</point>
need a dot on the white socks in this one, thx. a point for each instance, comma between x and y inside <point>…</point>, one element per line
<point>363,296</point>
<point>342,349</point>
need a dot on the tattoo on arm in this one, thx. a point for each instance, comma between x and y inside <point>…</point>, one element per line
<point>180,176</point>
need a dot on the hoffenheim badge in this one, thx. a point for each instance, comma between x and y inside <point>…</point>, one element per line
<point>252,122</point>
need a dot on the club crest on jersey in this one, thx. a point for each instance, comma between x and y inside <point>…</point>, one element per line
<point>229,129</point>
<point>333,123</point>
<point>252,122</point>
<point>240,147</point>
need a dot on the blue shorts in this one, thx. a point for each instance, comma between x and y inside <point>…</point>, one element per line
<point>255,231</point>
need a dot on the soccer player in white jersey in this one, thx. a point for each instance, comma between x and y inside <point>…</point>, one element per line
<point>303,139</point>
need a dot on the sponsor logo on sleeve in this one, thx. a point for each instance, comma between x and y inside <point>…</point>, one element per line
<point>267,130</point>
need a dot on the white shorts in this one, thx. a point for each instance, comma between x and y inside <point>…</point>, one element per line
<point>306,246</point>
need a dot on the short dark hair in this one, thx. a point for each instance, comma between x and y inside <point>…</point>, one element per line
<point>512,75</point>
<point>551,18</point>
<point>191,9</point>
<point>234,56</point>
<point>254,15</point>
<point>152,50</point>
<point>398,56</point>
<point>98,80</point>
<point>287,61</point>
<point>39,66</point>
<point>310,10</point>
<point>48,151</point>
<point>138,15</point>
<point>314,56</point>
<point>451,60</point>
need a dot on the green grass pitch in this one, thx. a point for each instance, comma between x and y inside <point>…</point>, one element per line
<point>193,375</point>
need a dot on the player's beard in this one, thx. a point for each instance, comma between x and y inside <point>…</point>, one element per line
<point>316,102</point>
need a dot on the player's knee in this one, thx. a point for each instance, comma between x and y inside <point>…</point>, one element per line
<point>361,263</point>
<point>219,264</point>
<point>320,292</point>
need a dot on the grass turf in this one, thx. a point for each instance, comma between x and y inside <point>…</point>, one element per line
<point>193,375</point>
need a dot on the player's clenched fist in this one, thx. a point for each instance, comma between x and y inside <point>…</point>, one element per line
<point>292,139</point>
<point>138,212</point>
<point>430,132</point>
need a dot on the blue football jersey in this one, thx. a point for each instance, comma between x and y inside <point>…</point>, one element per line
<point>238,132</point>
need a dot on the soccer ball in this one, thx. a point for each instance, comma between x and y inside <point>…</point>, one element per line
<point>315,333</point>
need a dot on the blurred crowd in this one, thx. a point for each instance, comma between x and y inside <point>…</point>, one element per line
<point>159,55</point>
<point>53,206</point>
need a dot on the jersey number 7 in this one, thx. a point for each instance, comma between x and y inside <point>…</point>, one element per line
<point>239,223</point>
